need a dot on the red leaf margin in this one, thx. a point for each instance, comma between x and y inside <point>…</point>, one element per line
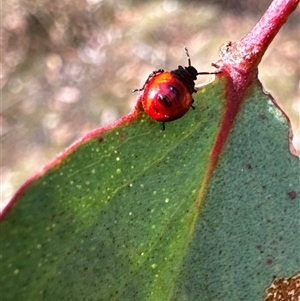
<point>56,161</point>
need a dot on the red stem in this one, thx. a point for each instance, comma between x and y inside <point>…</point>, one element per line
<point>260,37</point>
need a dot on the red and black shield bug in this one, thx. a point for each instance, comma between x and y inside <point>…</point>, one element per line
<point>167,95</point>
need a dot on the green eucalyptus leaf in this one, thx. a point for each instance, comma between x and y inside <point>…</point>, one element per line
<point>133,213</point>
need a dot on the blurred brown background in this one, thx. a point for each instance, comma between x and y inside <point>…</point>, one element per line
<point>68,67</point>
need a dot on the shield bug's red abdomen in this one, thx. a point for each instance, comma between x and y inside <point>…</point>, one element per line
<point>167,95</point>
<point>166,98</point>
